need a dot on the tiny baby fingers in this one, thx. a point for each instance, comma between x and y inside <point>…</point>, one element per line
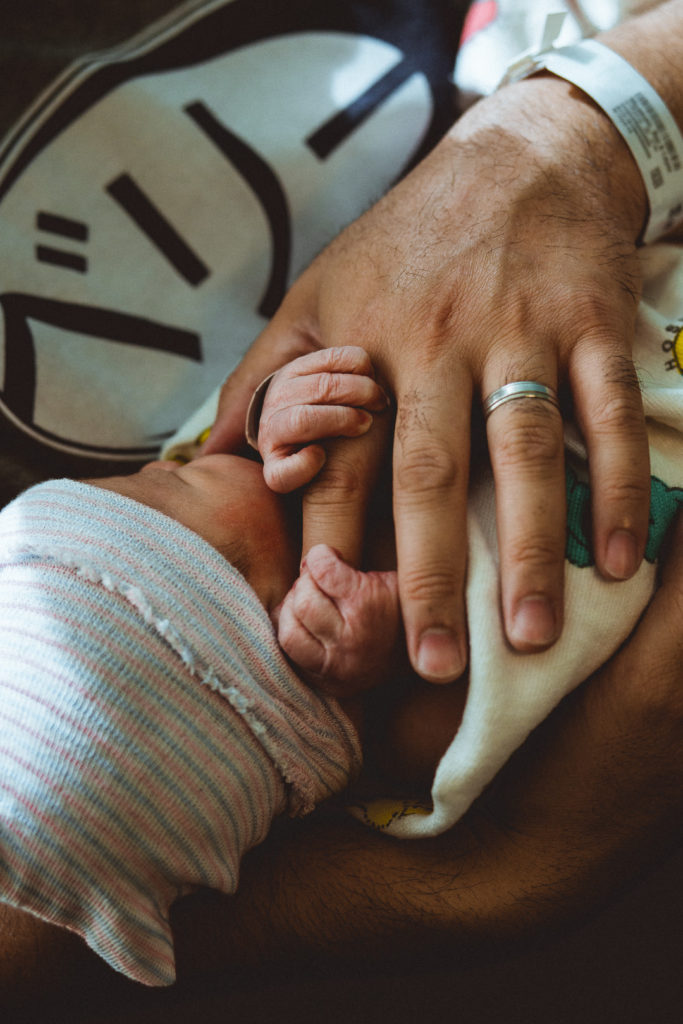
<point>331,573</point>
<point>325,389</point>
<point>313,607</point>
<point>299,424</point>
<point>297,642</point>
<point>336,359</point>
<point>307,622</point>
<point>285,472</point>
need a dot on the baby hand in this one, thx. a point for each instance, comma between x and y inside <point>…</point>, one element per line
<point>340,626</point>
<point>324,394</point>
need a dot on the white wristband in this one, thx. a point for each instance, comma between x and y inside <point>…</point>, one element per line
<point>638,113</point>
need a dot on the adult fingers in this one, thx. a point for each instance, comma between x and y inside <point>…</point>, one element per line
<point>609,410</point>
<point>335,503</point>
<point>431,467</point>
<point>525,437</point>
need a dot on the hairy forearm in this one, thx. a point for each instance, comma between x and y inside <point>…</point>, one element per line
<point>544,132</point>
<point>652,43</point>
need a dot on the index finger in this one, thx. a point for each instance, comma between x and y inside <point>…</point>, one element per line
<point>335,503</point>
<point>431,468</point>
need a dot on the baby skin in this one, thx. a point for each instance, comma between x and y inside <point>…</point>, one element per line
<point>340,626</point>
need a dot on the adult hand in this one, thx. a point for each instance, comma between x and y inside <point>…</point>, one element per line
<point>508,254</point>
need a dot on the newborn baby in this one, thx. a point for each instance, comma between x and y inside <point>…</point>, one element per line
<point>151,726</point>
<point>339,625</point>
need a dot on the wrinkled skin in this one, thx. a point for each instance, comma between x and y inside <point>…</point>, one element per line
<point>497,259</point>
<point>339,625</point>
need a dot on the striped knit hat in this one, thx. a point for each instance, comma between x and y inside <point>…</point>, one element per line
<point>151,727</point>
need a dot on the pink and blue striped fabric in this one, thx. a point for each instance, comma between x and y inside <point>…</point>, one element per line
<point>150,727</point>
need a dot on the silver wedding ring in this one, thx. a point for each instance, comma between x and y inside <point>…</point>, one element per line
<point>519,389</point>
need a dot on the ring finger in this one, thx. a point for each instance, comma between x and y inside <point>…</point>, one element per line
<point>525,438</point>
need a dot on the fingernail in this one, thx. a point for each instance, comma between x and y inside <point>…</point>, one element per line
<point>439,656</point>
<point>365,421</point>
<point>534,623</point>
<point>621,557</point>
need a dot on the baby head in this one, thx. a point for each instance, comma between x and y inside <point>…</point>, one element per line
<point>131,654</point>
<point>224,499</point>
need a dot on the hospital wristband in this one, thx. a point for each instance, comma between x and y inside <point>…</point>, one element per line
<point>636,110</point>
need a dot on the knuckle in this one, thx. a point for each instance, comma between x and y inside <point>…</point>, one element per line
<point>432,587</point>
<point>304,607</point>
<point>531,437</point>
<point>349,359</point>
<point>591,311</point>
<point>622,373</point>
<point>620,411</point>
<point>542,553</point>
<point>337,389</point>
<point>425,469</point>
<point>327,387</point>
<point>300,420</point>
<point>340,482</point>
<point>625,491</point>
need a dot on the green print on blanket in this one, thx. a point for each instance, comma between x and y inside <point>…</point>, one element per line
<point>664,503</point>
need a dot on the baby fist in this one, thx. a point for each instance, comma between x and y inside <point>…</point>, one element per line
<point>338,625</point>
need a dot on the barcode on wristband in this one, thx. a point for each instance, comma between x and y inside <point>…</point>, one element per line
<point>637,111</point>
<point>640,119</point>
<point>639,114</point>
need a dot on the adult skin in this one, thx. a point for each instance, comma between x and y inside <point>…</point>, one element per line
<point>509,253</point>
<point>592,799</point>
